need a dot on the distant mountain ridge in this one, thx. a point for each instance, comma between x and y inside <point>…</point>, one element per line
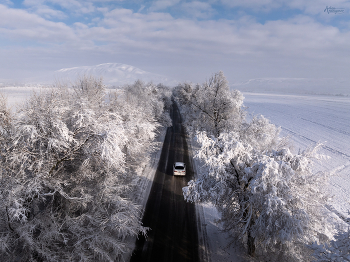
<point>113,74</point>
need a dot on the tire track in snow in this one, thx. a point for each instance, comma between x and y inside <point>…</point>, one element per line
<point>340,168</point>
<point>331,128</point>
<point>330,149</point>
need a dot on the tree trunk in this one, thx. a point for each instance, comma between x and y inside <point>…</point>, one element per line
<point>251,245</point>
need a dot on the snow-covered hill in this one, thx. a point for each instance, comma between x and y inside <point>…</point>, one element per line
<point>114,74</point>
<point>321,86</point>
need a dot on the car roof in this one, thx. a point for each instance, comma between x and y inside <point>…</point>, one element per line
<point>179,164</point>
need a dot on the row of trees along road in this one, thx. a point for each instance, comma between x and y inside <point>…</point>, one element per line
<point>268,197</point>
<point>69,159</point>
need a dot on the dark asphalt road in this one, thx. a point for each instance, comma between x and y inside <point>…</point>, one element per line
<point>173,235</point>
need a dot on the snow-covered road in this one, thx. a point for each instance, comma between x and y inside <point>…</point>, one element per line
<point>308,119</point>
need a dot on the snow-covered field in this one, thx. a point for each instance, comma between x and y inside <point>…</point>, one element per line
<point>308,119</point>
<point>16,95</point>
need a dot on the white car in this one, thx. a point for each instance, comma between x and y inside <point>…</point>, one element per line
<point>179,169</point>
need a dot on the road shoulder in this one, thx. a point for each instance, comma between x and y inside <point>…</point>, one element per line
<point>144,185</point>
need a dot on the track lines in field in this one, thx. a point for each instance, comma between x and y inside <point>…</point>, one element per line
<point>308,120</point>
<point>315,142</point>
<point>341,168</point>
<point>331,128</point>
<point>335,151</point>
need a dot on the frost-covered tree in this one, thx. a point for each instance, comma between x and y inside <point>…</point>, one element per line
<point>261,134</point>
<point>267,196</point>
<point>65,175</point>
<point>270,198</point>
<point>144,108</point>
<point>210,107</point>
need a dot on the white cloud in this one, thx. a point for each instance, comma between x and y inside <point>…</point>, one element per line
<point>163,4</point>
<point>261,5</point>
<point>31,3</point>
<point>40,8</point>
<point>49,13</point>
<point>19,24</point>
<point>290,48</point>
<point>193,9</point>
<point>198,9</point>
<point>6,2</point>
<point>298,47</point>
<point>294,34</point>
<point>71,6</point>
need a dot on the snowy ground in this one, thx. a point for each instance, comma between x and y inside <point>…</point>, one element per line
<point>308,119</point>
<point>18,94</point>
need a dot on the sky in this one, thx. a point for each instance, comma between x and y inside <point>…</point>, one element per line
<point>184,40</point>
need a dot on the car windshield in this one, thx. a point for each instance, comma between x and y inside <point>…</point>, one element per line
<point>179,167</point>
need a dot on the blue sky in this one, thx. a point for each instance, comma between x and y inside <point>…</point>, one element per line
<point>185,40</point>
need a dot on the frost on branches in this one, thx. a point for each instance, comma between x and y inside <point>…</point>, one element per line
<point>210,107</point>
<point>272,198</point>
<point>144,109</point>
<point>66,175</point>
<point>267,196</point>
